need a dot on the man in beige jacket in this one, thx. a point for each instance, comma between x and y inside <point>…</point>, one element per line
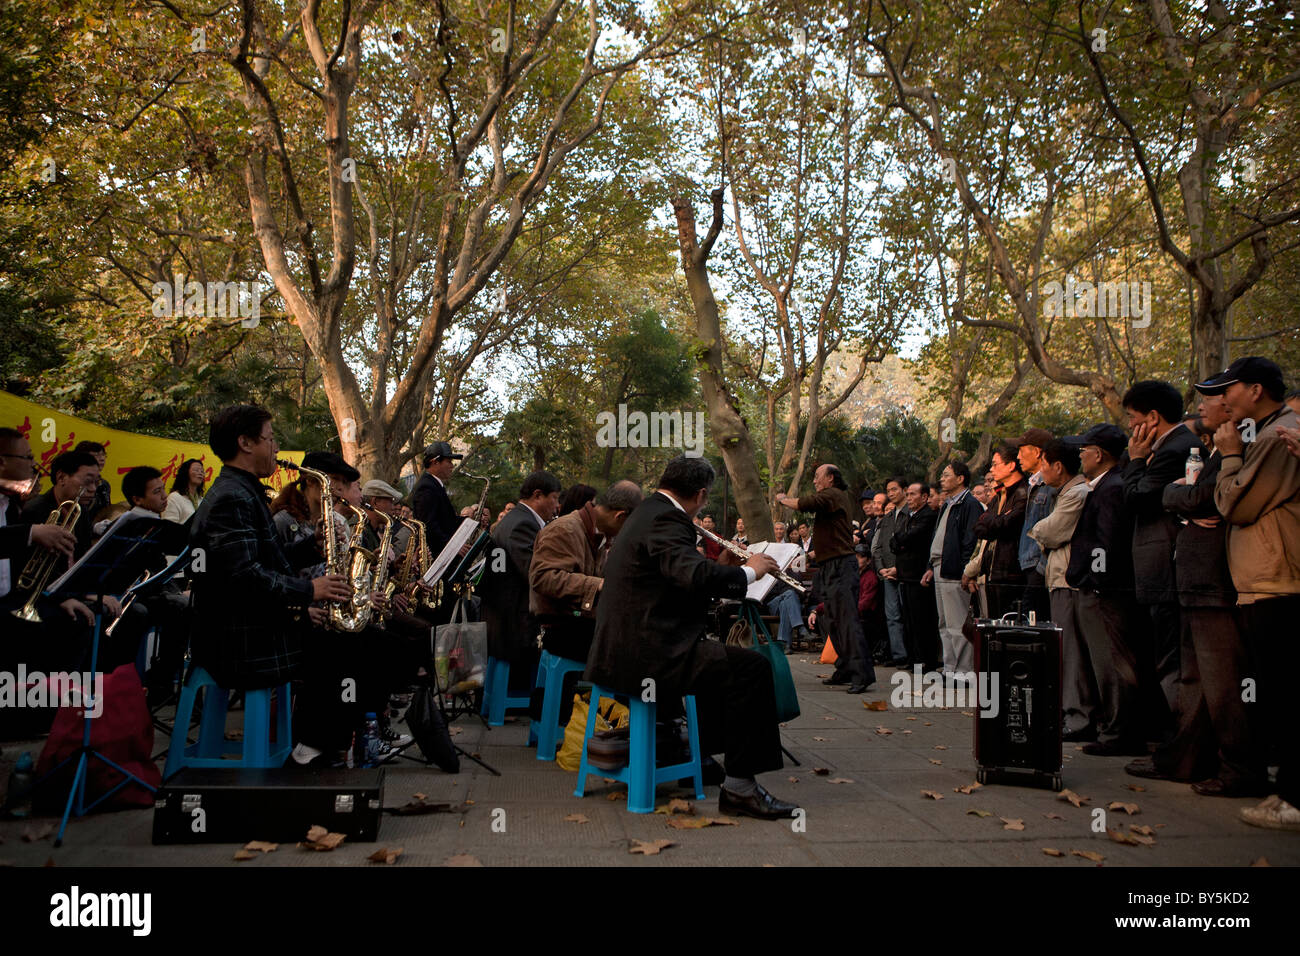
<point>1061,470</point>
<point>1258,494</point>
<point>566,574</point>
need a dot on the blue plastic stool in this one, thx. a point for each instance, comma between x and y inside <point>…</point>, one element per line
<point>257,749</point>
<point>642,774</point>
<point>496,695</point>
<point>550,675</point>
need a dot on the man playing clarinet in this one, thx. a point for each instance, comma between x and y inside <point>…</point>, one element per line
<point>650,625</point>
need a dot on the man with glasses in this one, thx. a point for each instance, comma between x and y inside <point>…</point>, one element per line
<point>250,608</point>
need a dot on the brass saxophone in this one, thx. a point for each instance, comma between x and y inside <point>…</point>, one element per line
<point>39,567</point>
<point>355,564</point>
<point>378,562</point>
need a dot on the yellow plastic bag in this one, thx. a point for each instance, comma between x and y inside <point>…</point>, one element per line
<point>612,714</point>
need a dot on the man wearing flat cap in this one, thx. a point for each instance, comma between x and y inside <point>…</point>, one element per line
<point>1101,568</point>
<point>384,499</point>
<point>429,500</point>
<point>1258,494</point>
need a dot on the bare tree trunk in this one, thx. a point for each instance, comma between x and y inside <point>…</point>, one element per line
<point>726,425</point>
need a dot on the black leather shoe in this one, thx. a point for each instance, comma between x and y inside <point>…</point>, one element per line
<point>858,688</point>
<point>1146,770</point>
<point>832,681</point>
<point>759,804</point>
<point>1115,749</point>
<point>1214,787</point>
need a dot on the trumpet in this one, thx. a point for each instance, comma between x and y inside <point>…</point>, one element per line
<point>36,574</point>
<point>743,553</point>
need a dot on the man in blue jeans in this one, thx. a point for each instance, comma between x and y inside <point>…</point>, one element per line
<point>882,557</point>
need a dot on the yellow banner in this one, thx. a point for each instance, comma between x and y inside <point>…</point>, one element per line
<point>51,433</point>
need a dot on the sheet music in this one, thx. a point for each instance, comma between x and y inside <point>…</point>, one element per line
<point>783,553</point>
<point>469,527</point>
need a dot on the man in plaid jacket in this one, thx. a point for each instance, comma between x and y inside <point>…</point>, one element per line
<point>250,608</point>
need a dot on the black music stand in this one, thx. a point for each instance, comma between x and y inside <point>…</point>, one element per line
<point>110,567</point>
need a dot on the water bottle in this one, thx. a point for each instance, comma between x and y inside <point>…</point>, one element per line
<point>18,799</point>
<point>372,741</point>
<point>1194,465</point>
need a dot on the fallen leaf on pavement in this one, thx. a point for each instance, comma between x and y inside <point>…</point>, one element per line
<point>932,794</point>
<point>462,859</point>
<point>883,731</point>
<point>937,763</point>
<point>911,718</point>
<point>698,823</point>
<point>418,807</point>
<point>876,705</point>
<point>386,855</point>
<point>1120,837</point>
<point>676,805</point>
<point>969,788</point>
<point>928,724</point>
<point>1012,824</point>
<point>940,747</point>
<point>839,780</point>
<point>418,796</point>
<point>614,796</point>
<point>821,676</point>
<point>242,854</point>
<point>828,718</point>
<point>1129,808</point>
<point>1088,855</point>
<point>1135,788</point>
<point>980,813</point>
<point>1052,852</point>
<point>1072,797</point>
<point>649,849</point>
<point>968,713</point>
<point>1053,816</point>
<point>1138,828</point>
<point>793,779</point>
<point>576,818</point>
<point>820,739</point>
<point>821,771</point>
<point>1262,861</point>
<point>318,838</point>
<point>261,845</point>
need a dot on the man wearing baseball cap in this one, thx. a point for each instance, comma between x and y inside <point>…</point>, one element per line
<point>1258,494</point>
<point>1101,568</point>
<point>429,500</point>
<point>1038,506</point>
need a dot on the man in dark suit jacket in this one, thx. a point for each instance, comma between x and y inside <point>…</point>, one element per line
<point>1101,568</point>
<point>650,635</point>
<point>913,531</point>
<point>504,586</point>
<point>429,501</point>
<point>1157,456</point>
<point>1216,745</point>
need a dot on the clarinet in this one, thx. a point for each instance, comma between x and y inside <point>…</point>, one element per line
<point>742,553</point>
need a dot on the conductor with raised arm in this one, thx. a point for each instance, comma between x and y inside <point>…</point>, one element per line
<point>650,624</point>
<point>833,536</point>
